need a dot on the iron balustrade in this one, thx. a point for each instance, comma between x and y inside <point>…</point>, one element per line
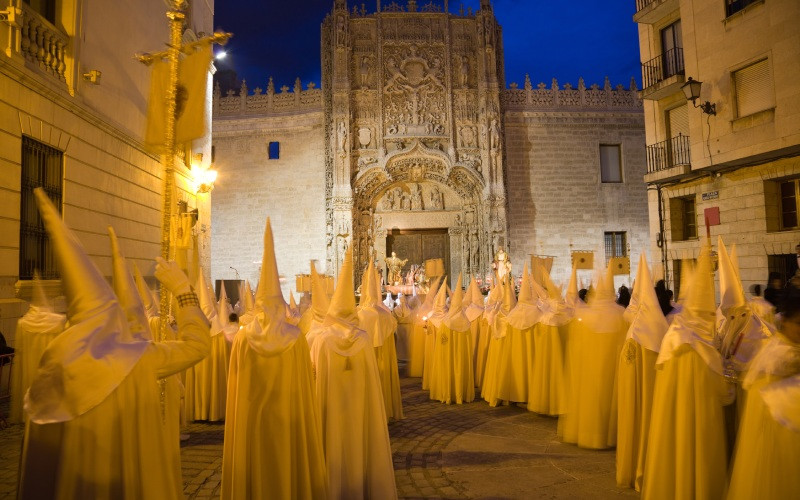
<point>641,4</point>
<point>659,68</point>
<point>668,154</point>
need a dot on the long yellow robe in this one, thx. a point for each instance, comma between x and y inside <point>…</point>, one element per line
<point>431,333</point>
<point>206,383</point>
<point>546,387</point>
<point>481,349</point>
<point>452,380</point>
<point>568,427</point>
<point>273,438</point>
<point>118,449</point>
<point>768,444</point>
<point>356,440</point>
<point>416,348</point>
<point>686,456</point>
<point>636,382</point>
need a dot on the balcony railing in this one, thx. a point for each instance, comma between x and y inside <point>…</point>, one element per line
<point>668,154</point>
<point>657,69</point>
<point>641,4</point>
<point>41,43</point>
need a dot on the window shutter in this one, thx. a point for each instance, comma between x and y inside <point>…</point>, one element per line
<point>610,166</point>
<point>678,119</point>
<point>753,89</point>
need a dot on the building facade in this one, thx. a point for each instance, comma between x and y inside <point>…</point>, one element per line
<point>414,144</point>
<point>73,103</point>
<point>734,168</point>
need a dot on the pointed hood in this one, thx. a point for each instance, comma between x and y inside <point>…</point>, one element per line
<point>494,301</point>
<point>270,334</point>
<point>509,298</point>
<point>633,304</point>
<point>402,312</point>
<point>341,332</point>
<point>605,286</point>
<point>439,310</point>
<point>740,332</point>
<point>319,303</point>
<point>149,300</point>
<point>414,302</point>
<point>456,320</point>
<point>572,299</point>
<point>474,301</point>
<point>555,311</point>
<point>425,310</point>
<point>525,288</point>
<point>648,324</point>
<point>388,302</point>
<point>127,294</point>
<point>39,298</point>
<point>249,302</point>
<point>40,318</point>
<point>293,304</point>
<point>208,305</point>
<point>373,316</point>
<point>694,324</point>
<point>343,302</point>
<point>83,365</point>
<point>526,313</point>
<point>224,312</point>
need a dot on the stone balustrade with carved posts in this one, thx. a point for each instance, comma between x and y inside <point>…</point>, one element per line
<point>41,43</point>
<point>569,98</point>
<point>268,103</point>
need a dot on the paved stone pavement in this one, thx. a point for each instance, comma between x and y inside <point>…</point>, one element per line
<point>440,451</point>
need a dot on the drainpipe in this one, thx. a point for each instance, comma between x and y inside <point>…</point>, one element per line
<point>661,240</point>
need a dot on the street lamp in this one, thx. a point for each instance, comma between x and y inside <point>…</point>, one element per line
<point>691,89</point>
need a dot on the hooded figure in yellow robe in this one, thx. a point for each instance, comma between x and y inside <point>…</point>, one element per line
<point>405,323</point>
<point>515,363</point>
<point>547,386</point>
<point>434,322</point>
<point>473,309</point>
<point>594,408</point>
<point>636,378</point>
<point>451,379</point>
<point>498,328</point>
<point>419,329</point>
<point>35,330</point>
<point>311,322</point>
<point>206,381</point>
<point>379,323</point>
<point>95,426</point>
<point>768,444</point>
<point>273,438</point>
<point>568,428</point>
<point>355,435</point>
<point>490,309</point>
<point>686,448</point>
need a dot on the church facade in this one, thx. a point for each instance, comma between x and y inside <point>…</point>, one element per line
<point>414,144</point>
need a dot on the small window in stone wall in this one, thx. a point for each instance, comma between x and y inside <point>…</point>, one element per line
<point>610,163</point>
<point>274,150</point>
<point>790,193</point>
<point>616,244</point>
<point>683,218</point>
<point>753,89</point>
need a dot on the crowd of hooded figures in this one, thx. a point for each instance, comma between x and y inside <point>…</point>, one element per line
<point>701,400</point>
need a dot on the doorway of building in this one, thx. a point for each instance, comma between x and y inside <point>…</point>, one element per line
<point>418,245</point>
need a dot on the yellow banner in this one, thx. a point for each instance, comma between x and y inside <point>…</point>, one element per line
<point>583,259</point>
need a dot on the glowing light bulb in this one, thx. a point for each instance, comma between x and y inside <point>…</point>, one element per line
<point>221,55</point>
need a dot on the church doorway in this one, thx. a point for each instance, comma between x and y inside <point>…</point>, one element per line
<point>418,245</point>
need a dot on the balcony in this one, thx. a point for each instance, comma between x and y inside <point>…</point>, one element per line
<point>651,11</point>
<point>663,75</point>
<point>668,160</point>
<point>36,41</point>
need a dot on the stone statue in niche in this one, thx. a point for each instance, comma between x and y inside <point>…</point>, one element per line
<point>397,202</point>
<point>467,137</point>
<point>365,69</point>
<point>342,131</point>
<point>437,199</point>
<point>494,141</point>
<point>416,197</point>
<point>388,201</point>
<point>473,250</point>
<point>364,137</point>
<point>464,76</point>
<point>340,31</point>
<point>405,202</point>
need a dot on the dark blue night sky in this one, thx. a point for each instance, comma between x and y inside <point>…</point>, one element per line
<point>563,39</point>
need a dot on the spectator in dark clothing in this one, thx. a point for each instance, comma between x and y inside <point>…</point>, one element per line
<point>775,292</point>
<point>624,297</point>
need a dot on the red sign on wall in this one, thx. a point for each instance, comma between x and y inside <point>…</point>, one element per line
<point>712,216</point>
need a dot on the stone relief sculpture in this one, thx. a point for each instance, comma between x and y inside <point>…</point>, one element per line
<point>416,197</point>
<point>365,71</point>
<point>464,75</point>
<point>364,137</point>
<point>342,133</point>
<point>437,199</point>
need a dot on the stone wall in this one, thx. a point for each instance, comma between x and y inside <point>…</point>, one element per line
<point>251,187</point>
<point>556,201</point>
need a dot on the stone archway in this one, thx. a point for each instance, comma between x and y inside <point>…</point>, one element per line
<point>419,188</point>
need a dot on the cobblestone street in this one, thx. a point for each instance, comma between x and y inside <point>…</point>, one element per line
<point>440,451</point>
